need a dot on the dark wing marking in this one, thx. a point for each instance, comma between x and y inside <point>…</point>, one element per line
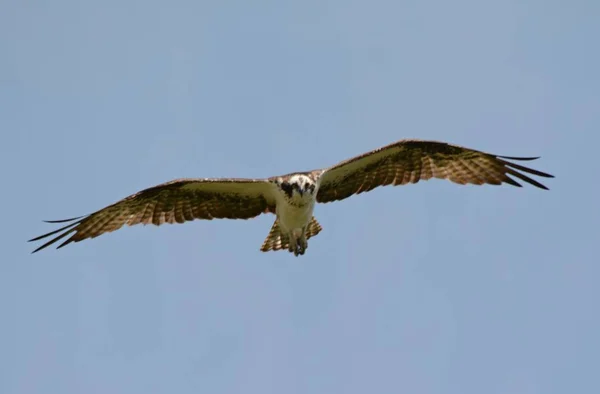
<point>173,202</point>
<point>408,161</point>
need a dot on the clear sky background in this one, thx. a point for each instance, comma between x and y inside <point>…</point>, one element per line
<point>428,288</point>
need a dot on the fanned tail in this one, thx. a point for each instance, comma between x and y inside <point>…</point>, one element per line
<point>276,240</point>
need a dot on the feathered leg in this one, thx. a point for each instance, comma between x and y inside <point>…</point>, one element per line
<point>278,240</point>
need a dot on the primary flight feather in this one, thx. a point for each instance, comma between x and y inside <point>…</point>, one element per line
<point>292,197</point>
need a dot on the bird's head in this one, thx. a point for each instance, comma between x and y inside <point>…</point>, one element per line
<point>298,187</point>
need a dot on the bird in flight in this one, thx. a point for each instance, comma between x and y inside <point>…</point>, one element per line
<point>292,197</point>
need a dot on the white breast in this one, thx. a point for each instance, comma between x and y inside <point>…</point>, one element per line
<point>293,217</point>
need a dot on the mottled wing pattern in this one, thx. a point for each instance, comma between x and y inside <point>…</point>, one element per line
<point>173,202</point>
<point>278,240</point>
<point>408,161</point>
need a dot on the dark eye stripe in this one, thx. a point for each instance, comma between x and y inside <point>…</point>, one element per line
<point>287,189</point>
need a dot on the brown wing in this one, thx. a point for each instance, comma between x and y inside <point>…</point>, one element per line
<point>173,202</point>
<point>408,161</point>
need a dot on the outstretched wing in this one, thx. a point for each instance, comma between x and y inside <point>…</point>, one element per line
<point>173,202</point>
<point>408,161</point>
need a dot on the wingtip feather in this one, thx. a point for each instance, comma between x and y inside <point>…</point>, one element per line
<point>63,220</point>
<point>519,158</point>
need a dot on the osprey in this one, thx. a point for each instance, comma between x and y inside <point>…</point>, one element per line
<point>292,197</point>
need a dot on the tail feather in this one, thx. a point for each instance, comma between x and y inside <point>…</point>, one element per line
<point>277,240</point>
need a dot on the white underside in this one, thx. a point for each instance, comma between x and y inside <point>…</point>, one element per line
<point>292,219</point>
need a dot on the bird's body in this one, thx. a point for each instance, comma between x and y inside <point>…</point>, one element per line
<point>295,203</point>
<point>292,197</point>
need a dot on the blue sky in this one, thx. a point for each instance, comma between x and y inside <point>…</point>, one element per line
<point>429,288</point>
